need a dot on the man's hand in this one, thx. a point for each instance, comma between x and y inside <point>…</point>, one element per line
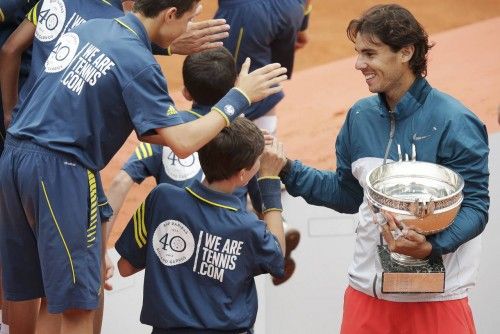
<point>272,160</point>
<point>200,36</point>
<point>408,240</point>
<point>109,271</point>
<point>301,40</point>
<point>262,82</point>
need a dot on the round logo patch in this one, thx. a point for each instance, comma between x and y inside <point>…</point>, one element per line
<point>180,169</point>
<point>63,53</point>
<point>173,243</point>
<point>229,110</point>
<point>50,20</point>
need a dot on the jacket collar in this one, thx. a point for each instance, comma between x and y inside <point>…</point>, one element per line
<point>214,198</point>
<point>411,101</point>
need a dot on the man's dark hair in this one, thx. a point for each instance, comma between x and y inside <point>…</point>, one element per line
<point>151,8</point>
<point>209,75</point>
<point>396,27</point>
<point>236,147</point>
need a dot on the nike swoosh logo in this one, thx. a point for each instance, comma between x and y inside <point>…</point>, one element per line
<point>416,138</point>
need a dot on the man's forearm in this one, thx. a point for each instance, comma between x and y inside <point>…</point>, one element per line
<point>468,224</point>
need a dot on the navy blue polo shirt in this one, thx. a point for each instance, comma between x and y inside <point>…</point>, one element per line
<point>95,89</point>
<point>161,163</point>
<point>201,252</point>
<point>53,19</point>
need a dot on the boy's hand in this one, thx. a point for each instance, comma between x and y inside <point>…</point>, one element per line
<point>262,82</point>
<point>268,138</point>
<point>200,36</point>
<point>272,160</point>
<point>109,271</point>
<point>302,40</point>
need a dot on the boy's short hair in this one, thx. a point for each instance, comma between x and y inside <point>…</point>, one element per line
<point>236,147</point>
<point>151,8</point>
<point>209,75</point>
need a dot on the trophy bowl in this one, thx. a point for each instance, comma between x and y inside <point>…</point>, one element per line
<point>422,195</point>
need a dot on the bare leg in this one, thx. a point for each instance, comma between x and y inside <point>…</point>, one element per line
<point>2,303</point>
<point>23,315</point>
<point>100,309</point>
<point>77,321</point>
<point>4,315</point>
<point>47,323</point>
<point>97,324</point>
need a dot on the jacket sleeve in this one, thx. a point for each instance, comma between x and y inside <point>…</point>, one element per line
<point>338,190</point>
<point>465,150</point>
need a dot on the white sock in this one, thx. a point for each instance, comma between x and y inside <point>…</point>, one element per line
<point>4,329</point>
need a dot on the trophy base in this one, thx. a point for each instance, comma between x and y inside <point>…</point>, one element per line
<point>398,278</point>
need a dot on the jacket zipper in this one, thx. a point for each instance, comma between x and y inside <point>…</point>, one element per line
<point>386,155</point>
<point>391,135</point>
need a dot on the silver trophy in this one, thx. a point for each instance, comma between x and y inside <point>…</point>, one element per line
<point>420,195</point>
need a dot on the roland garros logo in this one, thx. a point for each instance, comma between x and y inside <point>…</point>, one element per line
<point>173,243</point>
<point>180,169</point>
<point>50,20</point>
<point>63,53</point>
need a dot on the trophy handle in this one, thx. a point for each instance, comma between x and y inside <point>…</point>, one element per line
<point>421,209</point>
<point>378,217</point>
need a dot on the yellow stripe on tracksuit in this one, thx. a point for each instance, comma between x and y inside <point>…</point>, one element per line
<point>143,151</point>
<point>94,211</point>
<point>32,16</point>
<point>2,16</point>
<point>140,232</point>
<point>60,232</point>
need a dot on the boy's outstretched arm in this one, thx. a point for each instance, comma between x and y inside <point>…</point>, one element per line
<point>185,139</point>
<point>271,164</point>
<point>120,186</point>
<point>10,63</point>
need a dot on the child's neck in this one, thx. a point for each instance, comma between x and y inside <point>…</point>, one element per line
<point>224,186</point>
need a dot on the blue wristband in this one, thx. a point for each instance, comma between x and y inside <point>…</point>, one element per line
<point>232,105</point>
<point>270,193</point>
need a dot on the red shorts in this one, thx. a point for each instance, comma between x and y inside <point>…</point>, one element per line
<point>364,314</point>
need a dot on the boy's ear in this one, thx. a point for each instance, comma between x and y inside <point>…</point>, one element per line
<point>186,94</point>
<point>240,176</point>
<point>168,14</point>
